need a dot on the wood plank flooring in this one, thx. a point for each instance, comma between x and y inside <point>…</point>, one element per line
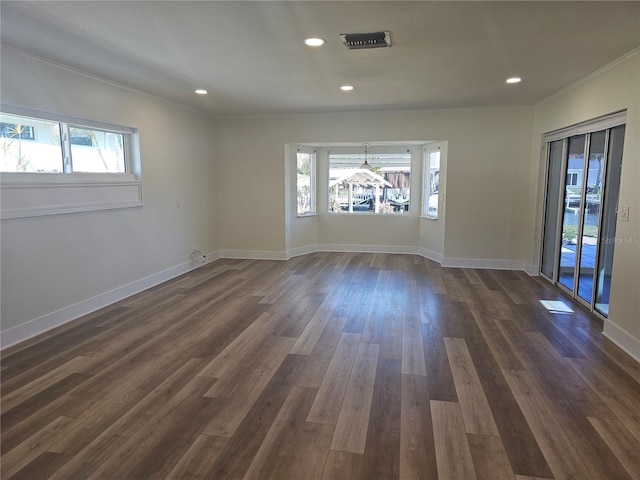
<point>328,366</point>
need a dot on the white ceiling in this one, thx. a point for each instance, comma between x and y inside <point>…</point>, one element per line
<point>251,58</point>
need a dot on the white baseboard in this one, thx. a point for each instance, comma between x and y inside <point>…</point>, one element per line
<point>483,263</point>
<point>213,256</point>
<point>430,254</point>
<point>253,254</point>
<point>336,247</point>
<point>623,339</point>
<point>297,251</point>
<point>410,250</point>
<point>531,269</point>
<point>24,331</point>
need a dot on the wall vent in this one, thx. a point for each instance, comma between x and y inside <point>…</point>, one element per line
<point>358,41</point>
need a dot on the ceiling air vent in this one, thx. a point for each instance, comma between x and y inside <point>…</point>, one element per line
<point>356,41</point>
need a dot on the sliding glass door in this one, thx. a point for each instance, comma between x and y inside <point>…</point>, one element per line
<point>582,183</point>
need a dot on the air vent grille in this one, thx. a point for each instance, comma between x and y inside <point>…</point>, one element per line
<point>358,41</point>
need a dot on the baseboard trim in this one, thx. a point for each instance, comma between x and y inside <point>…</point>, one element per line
<point>253,254</point>
<point>337,247</point>
<point>431,255</point>
<point>495,264</point>
<point>623,339</point>
<point>37,326</point>
<point>483,263</point>
<point>531,269</point>
<point>307,249</point>
<point>213,256</point>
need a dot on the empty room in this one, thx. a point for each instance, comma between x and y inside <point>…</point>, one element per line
<point>301,240</point>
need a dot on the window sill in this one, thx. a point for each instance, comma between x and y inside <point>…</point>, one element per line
<point>305,215</point>
<point>40,194</point>
<point>429,217</point>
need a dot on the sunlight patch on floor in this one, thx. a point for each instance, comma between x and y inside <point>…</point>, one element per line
<point>556,306</point>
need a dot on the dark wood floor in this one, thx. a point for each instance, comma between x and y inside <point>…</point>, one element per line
<point>327,366</point>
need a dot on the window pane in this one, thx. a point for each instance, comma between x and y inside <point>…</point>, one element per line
<point>572,208</point>
<point>29,145</point>
<point>431,184</point>
<point>608,234</point>
<point>589,238</point>
<point>383,187</point>
<point>305,168</point>
<point>554,186</point>
<point>96,150</point>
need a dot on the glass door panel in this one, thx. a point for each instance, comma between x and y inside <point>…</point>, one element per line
<point>608,224</point>
<point>572,211</point>
<point>591,215</point>
<point>554,185</point>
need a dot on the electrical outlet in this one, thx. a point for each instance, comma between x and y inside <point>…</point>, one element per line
<point>624,213</point>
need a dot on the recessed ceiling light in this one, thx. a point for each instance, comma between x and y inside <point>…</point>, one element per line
<point>514,80</point>
<point>201,91</point>
<point>314,42</point>
<point>346,88</point>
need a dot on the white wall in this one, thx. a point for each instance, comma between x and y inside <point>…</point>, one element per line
<point>50,264</point>
<point>489,152</point>
<point>612,89</point>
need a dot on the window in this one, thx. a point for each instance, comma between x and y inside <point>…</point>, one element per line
<point>54,164</point>
<point>96,150</point>
<point>80,137</point>
<point>16,131</point>
<point>383,186</point>
<point>38,145</point>
<point>30,145</point>
<point>431,183</point>
<point>305,183</point>
<point>572,179</point>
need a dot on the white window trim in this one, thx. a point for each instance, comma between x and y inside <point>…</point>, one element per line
<point>30,194</point>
